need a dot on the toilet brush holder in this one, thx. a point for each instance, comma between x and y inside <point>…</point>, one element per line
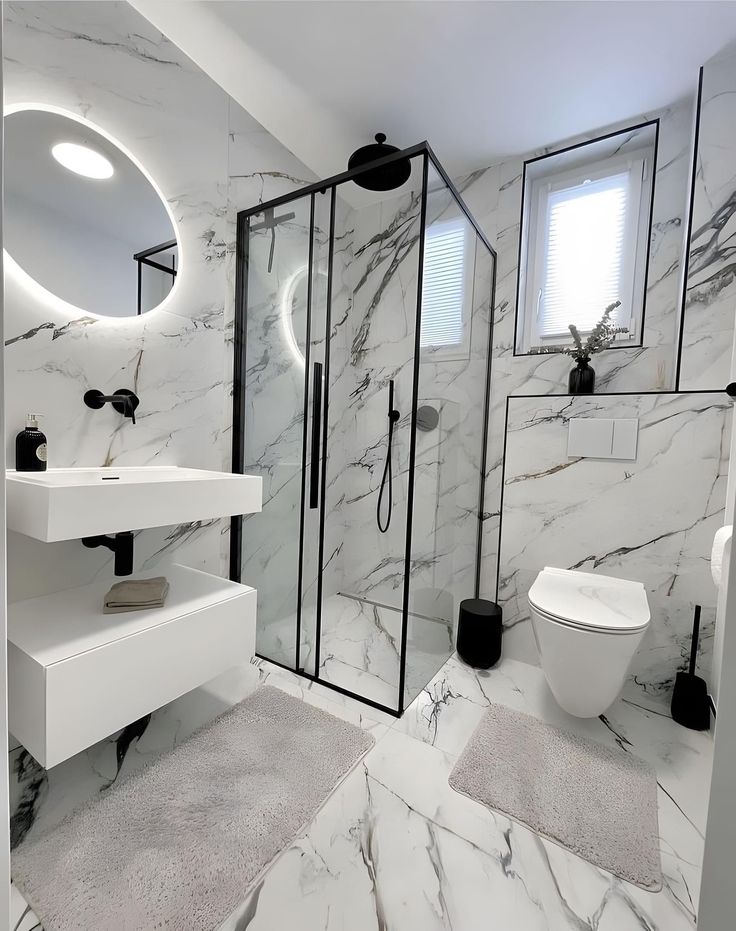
<point>690,702</point>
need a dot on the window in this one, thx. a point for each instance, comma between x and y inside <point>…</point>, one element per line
<point>446,291</point>
<point>585,234</point>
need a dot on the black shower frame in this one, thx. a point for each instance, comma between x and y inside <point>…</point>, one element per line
<point>423,150</point>
<point>144,258</point>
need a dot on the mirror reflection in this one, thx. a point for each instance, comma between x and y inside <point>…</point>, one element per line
<point>82,220</point>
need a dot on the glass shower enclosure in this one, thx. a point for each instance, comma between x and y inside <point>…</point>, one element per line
<point>362,378</point>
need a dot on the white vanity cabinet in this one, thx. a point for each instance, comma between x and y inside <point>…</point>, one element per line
<point>76,675</point>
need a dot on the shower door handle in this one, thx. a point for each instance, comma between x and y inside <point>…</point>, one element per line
<point>316,424</point>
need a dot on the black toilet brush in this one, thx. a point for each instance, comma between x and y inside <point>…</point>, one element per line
<point>690,703</point>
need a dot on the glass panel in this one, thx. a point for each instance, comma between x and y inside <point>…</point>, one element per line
<point>455,331</point>
<point>332,388</point>
<point>371,354</point>
<point>276,340</point>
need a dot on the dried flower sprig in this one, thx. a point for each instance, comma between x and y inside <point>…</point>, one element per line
<point>600,338</point>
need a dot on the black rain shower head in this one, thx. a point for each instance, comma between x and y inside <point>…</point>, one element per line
<point>385,178</point>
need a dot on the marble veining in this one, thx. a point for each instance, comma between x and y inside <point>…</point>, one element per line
<point>708,316</point>
<point>395,847</point>
<point>104,61</point>
<point>650,520</point>
<point>385,831</point>
<point>494,196</point>
<point>372,344</point>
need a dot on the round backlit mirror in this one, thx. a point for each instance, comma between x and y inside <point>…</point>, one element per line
<point>82,219</point>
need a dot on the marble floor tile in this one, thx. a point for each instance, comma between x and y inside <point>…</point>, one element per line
<point>396,849</point>
<point>21,915</point>
<point>450,707</point>
<point>360,648</point>
<point>570,889</point>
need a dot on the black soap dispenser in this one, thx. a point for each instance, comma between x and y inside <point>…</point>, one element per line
<point>31,452</point>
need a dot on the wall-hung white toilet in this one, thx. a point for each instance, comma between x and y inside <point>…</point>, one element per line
<point>588,628</point>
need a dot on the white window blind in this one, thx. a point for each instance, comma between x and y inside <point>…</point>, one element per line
<point>443,285</point>
<point>585,255</point>
<point>585,235</point>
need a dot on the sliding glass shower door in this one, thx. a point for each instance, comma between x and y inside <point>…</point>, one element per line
<point>274,274</point>
<point>365,418</point>
<point>368,417</point>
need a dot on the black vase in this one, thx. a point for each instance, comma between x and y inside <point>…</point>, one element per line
<point>582,379</point>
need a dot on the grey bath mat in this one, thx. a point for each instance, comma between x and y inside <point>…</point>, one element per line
<point>598,802</point>
<point>177,845</point>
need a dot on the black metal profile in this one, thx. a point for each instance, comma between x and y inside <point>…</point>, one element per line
<point>484,449</point>
<point>671,392</point>
<point>424,151</point>
<point>321,187</point>
<point>305,415</point>
<point>689,230</point>
<point>500,499</point>
<point>242,253</point>
<point>572,148</point>
<point>325,431</point>
<point>413,434</point>
<point>144,258</point>
<point>332,686</point>
<point>154,250</point>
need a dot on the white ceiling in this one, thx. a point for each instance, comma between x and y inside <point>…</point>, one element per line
<point>479,80</point>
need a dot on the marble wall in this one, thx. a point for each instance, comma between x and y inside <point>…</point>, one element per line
<point>372,344</point>
<point>494,196</point>
<point>209,158</point>
<point>710,294</point>
<point>103,61</point>
<point>379,320</point>
<point>148,96</point>
<point>651,519</point>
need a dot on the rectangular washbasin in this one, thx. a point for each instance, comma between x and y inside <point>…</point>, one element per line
<point>67,504</point>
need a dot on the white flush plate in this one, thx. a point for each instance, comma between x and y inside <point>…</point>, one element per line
<point>68,504</point>
<point>590,437</point>
<point>625,438</point>
<point>602,438</point>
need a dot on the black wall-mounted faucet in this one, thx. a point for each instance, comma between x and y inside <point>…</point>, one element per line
<point>124,401</point>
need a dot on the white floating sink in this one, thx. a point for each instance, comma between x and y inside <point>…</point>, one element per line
<point>68,504</point>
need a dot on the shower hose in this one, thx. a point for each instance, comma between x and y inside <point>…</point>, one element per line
<point>387,478</point>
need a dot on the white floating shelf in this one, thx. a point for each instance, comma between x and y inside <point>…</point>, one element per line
<point>68,504</point>
<point>76,675</point>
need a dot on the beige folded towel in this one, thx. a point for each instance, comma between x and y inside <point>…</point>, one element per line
<point>136,595</point>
